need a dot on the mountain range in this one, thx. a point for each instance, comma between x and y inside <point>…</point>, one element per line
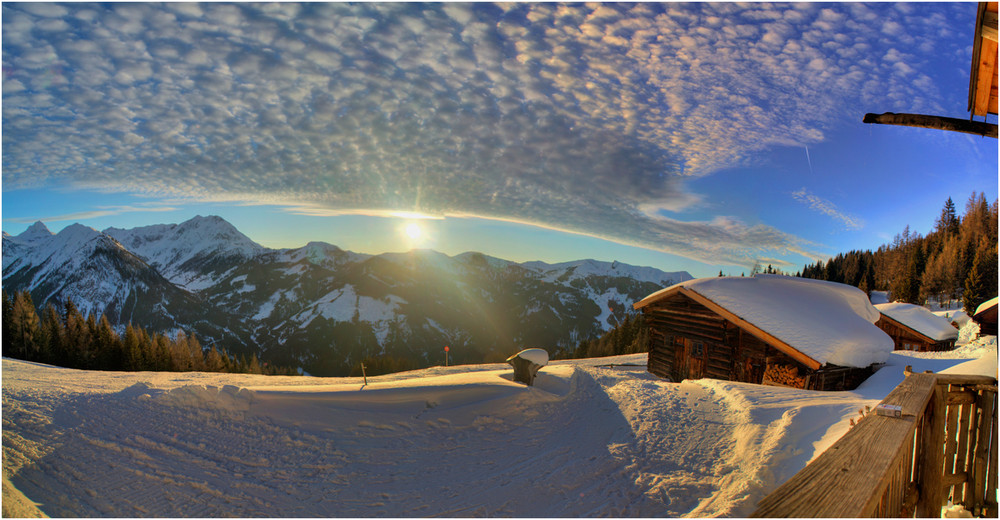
<point>320,308</point>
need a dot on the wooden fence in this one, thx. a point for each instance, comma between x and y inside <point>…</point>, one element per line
<point>943,449</point>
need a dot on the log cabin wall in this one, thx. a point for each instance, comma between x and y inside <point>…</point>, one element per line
<point>689,341</point>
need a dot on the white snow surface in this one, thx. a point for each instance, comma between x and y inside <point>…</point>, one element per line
<point>920,320</point>
<point>593,437</point>
<point>537,356</point>
<point>829,322</point>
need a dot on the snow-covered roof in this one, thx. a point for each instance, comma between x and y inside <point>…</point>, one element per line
<point>827,322</point>
<point>956,316</point>
<point>986,305</point>
<point>920,319</point>
<point>535,355</point>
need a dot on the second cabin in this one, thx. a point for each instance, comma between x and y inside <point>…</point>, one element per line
<point>765,329</point>
<point>913,327</point>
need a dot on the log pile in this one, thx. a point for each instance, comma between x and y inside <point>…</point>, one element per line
<point>783,375</point>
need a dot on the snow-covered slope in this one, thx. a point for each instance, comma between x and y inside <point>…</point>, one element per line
<point>585,441</point>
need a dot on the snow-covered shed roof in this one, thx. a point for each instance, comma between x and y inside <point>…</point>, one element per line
<point>920,320</point>
<point>985,306</point>
<point>812,321</point>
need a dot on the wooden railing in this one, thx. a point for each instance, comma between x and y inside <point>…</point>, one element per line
<point>943,449</point>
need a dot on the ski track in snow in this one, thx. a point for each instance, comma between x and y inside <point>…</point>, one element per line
<point>458,441</point>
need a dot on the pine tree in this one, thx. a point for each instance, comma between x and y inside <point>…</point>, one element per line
<point>974,288</point>
<point>213,361</point>
<point>7,336</point>
<point>948,222</point>
<point>54,336</point>
<point>24,326</point>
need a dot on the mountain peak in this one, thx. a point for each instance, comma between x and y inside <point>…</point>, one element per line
<point>34,232</point>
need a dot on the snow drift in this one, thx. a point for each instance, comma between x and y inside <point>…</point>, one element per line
<point>591,438</point>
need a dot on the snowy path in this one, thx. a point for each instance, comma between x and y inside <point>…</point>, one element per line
<point>457,441</point>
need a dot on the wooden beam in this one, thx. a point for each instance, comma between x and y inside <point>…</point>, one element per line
<point>933,122</point>
<point>985,78</point>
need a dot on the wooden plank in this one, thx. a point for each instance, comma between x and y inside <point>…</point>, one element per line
<point>979,460</point>
<point>953,479</point>
<point>984,81</point>
<point>960,397</point>
<point>965,379</point>
<point>690,312</point>
<point>933,122</point>
<point>990,496</point>
<point>962,459</point>
<point>932,460</point>
<point>849,478</point>
<point>951,437</point>
<point>687,331</point>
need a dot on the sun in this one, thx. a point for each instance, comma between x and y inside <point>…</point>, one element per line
<point>413,231</point>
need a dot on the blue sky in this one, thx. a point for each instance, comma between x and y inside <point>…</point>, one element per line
<point>682,136</point>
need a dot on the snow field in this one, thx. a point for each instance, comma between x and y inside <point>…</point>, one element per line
<point>586,440</point>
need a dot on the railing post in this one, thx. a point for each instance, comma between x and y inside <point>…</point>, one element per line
<point>932,456</point>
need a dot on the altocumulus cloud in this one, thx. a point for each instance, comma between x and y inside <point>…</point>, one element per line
<point>585,118</point>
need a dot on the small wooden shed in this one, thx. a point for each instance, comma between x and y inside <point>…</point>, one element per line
<point>913,327</point>
<point>986,317</point>
<point>766,329</point>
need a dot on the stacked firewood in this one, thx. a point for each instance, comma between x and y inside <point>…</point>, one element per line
<point>783,375</point>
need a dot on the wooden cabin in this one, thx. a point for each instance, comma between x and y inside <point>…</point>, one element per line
<point>915,328</point>
<point>765,329</point>
<point>986,317</point>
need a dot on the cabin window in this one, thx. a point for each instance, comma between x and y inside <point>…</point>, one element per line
<point>698,350</point>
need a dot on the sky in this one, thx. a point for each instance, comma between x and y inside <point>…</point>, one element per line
<point>693,136</point>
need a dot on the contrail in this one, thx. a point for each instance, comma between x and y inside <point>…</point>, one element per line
<point>809,160</point>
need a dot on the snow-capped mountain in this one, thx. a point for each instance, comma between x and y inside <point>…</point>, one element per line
<point>100,276</point>
<point>320,307</point>
<point>192,254</point>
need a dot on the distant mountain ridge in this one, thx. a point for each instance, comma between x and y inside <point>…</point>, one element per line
<point>320,307</point>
